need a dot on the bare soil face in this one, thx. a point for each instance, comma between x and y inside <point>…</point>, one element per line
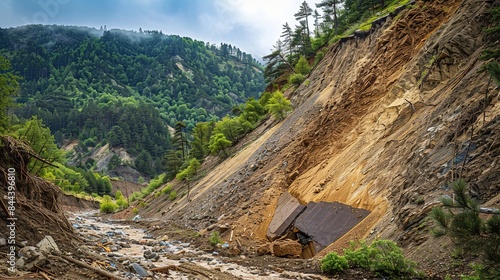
<point>385,123</point>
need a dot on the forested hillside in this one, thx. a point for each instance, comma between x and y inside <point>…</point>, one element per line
<point>123,87</point>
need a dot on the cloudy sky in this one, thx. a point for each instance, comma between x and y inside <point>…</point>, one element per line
<point>252,25</point>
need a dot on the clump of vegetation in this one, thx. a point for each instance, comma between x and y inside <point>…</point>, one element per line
<point>189,171</point>
<point>332,263</point>
<point>302,66</point>
<point>166,190</point>
<point>108,205</point>
<point>154,184</point>
<point>120,200</point>
<point>383,257</point>
<point>296,79</point>
<point>420,200</point>
<point>173,195</point>
<point>460,219</point>
<point>278,105</point>
<point>214,238</point>
<point>136,196</point>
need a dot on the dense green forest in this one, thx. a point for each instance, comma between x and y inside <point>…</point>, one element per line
<point>185,79</point>
<point>123,87</point>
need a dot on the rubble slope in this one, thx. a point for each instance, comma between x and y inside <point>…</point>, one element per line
<point>385,122</point>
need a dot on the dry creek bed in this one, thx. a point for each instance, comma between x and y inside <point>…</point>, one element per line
<point>131,252</point>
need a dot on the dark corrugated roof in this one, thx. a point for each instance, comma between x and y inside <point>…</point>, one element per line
<point>325,222</point>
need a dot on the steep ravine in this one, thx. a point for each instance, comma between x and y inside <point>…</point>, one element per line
<point>382,125</point>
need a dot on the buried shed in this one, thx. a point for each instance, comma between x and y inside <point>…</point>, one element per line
<point>323,223</point>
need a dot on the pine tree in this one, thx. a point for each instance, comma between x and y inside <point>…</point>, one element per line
<point>179,141</point>
<point>189,172</point>
<point>172,162</point>
<point>144,163</point>
<point>286,45</point>
<point>464,221</point>
<point>276,63</point>
<point>201,139</point>
<point>316,23</point>
<point>303,14</point>
<point>331,9</point>
<point>114,162</point>
<point>218,143</point>
<point>278,105</point>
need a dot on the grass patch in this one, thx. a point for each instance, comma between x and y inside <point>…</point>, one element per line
<point>214,238</point>
<point>167,190</point>
<point>173,195</point>
<point>367,24</point>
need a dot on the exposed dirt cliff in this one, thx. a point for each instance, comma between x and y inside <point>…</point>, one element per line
<point>385,123</point>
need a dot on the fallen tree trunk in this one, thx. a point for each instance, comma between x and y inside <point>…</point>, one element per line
<point>86,265</point>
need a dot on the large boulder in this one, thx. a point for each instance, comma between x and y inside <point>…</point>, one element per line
<point>286,248</point>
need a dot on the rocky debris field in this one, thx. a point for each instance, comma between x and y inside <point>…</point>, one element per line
<point>129,251</point>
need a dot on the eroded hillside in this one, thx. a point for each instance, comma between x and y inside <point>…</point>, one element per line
<point>387,120</point>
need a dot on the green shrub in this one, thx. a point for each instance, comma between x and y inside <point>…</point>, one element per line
<point>335,39</point>
<point>302,66</point>
<point>167,189</point>
<point>122,203</point>
<point>107,205</point>
<point>296,79</point>
<point>135,211</point>
<point>136,196</point>
<point>333,263</point>
<point>173,195</point>
<point>386,258</point>
<point>189,171</point>
<point>319,56</point>
<point>214,238</point>
<point>154,184</point>
<point>118,195</point>
<point>278,105</point>
<point>420,200</point>
<point>383,257</point>
<point>358,255</point>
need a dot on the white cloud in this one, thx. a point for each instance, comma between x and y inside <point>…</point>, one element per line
<point>253,26</point>
<point>264,18</point>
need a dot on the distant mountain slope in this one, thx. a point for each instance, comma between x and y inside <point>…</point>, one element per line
<point>169,71</point>
<point>125,87</point>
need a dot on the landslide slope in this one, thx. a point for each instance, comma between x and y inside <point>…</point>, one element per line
<point>385,123</point>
